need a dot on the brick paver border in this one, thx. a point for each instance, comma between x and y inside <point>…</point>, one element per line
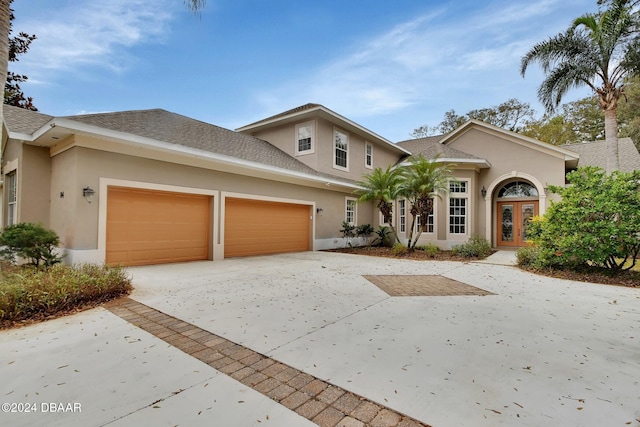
<point>324,404</point>
<point>423,286</point>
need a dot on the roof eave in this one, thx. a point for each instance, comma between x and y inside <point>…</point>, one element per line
<point>67,126</point>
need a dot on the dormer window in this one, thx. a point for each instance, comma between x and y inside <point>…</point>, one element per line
<point>304,138</point>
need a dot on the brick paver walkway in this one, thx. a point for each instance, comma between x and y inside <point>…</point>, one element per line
<point>319,401</point>
<point>423,286</point>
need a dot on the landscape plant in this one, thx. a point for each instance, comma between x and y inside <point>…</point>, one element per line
<point>30,293</point>
<point>364,231</point>
<point>598,50</point>
<point>596,223</point>
<point>422,180</point>
<point>381,187</point>
<point>31,242</point>
<point>475,247</point>
<point>382,236</point>
<point>348,231</point>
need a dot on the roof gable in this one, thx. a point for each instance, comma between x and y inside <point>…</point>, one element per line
<point>513,137</point>
<point>308,111</point>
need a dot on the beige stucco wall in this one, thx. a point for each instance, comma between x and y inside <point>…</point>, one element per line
<point>511,158</point>
<point>76,220</point>
<point>33,172</point>
<point>506,156</point>
<point>284,137</point>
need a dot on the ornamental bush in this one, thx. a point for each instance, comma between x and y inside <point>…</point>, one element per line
<point>30,241</point>
<point>596,223</point>
<point>475,247</point>
<point>31,293</point>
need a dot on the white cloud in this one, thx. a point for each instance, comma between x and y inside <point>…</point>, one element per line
<point>92,33</point>
<point>428,58</point>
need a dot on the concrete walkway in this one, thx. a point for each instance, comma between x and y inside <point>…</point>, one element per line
<point>501,257</point>
<point>538,352</point>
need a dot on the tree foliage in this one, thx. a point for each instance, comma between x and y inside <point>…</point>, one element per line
<point>381,187</point>
<point>511,114</point>
<point>30,241</point>
<point>597,222</point>
<point>599,50</point>
<point>422,180</point>
<point>418,181</point>
<point>13,94</point>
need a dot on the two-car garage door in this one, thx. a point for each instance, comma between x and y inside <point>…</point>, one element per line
<point>153,227</point>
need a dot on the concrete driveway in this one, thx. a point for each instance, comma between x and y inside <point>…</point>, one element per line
<point>537,352</point>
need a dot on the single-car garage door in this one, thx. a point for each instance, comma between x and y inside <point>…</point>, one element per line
<point>154,227</point>
<point>255,227</point>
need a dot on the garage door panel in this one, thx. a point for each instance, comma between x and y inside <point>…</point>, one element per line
<point>153,227</point>
<point>254,227</point>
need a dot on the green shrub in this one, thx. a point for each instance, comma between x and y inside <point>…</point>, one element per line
<point>596,223</point>
<point>399,249</point>
<point>32,292</point>
<point>431,249</point>
<point>529,256</point>
<point>382,236</point>
<point>30,241</point>
<point>475,247</point>
<point>348,232</point>
<point>364,231</point>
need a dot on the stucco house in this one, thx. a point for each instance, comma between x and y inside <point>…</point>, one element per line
<point>151,186</point>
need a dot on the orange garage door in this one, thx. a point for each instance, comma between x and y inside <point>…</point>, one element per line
<point>255,227</point>
<point>154,227</point>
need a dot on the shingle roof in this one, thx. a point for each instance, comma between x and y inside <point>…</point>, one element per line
<point>595,154</point>
<point>430,147</point>
<point>23,121</point>
<point>162,125</point>
<point>286,113</point>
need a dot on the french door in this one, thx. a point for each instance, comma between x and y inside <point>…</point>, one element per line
<point>513,220</point>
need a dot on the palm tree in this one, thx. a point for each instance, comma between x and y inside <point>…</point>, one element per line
<point>598,51</point>
<point>195,5</point>
<point>381,187</point>
<point>5,28</point>
<point>423,180</point>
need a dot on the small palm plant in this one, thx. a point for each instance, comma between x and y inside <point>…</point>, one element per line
<point>424,179</point>
<point>382,187</point>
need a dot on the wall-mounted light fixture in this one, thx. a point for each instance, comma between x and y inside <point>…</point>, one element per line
<point>319,211</point>
<point>483,191</point>
<point>87,193</point>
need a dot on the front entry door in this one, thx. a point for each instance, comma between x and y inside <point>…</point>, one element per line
<point>513,220</point>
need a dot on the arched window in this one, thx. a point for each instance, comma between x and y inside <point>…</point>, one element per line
<point>518,189</point>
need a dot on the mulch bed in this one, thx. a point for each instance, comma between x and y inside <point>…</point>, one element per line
<point>387,252</point>
<point>593,275</point>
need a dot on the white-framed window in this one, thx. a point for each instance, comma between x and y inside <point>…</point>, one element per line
<point>305,138</point>
<point>351,210</point>
<point>458,206</point>
<point>12,198</point>
<point>368,155</point>
<point>341,150</point>
<point>457,187</point>
<point>430,223</point>
<point>402,215</point>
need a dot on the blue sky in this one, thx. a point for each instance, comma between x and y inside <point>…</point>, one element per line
<point>390,66</point>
